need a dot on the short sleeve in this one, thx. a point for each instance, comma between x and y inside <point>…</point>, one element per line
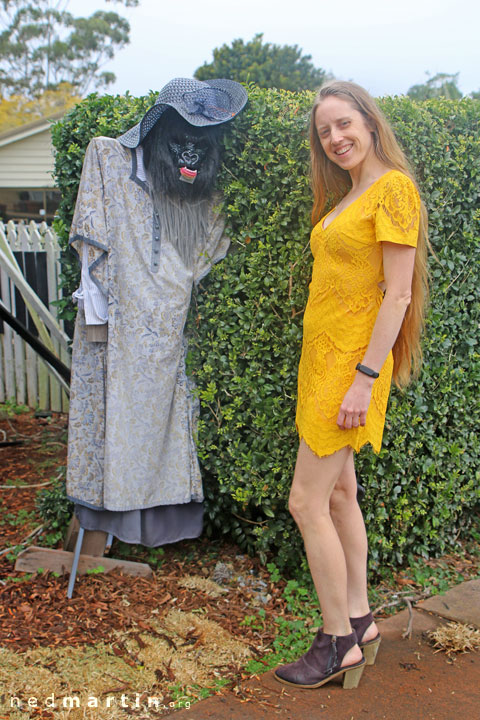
<point>397,217</point>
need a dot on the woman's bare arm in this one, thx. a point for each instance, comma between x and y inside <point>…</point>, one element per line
<point>398,262</point>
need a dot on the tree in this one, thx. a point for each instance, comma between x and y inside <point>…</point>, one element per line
<point>440,85</point>
<point>42,46</point>
<point>265,64</point>
<point>19,110</point>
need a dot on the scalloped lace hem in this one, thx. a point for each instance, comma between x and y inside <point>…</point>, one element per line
<point>356,443</point>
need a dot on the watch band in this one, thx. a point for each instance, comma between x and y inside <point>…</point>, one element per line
<point>366,370</point>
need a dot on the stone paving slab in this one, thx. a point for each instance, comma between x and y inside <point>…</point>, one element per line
<point>461,603</point>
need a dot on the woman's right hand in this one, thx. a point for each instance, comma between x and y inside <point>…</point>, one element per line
<point>353,410</point>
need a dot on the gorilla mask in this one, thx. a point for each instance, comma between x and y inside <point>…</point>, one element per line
<point>182,160</point>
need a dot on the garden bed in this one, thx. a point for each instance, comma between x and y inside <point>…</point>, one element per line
<point>208,618</point>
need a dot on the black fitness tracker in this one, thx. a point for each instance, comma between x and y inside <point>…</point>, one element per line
<point>366,370</point>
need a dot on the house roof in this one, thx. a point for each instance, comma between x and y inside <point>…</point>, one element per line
<point>27,155</point>
<point>23,131</point>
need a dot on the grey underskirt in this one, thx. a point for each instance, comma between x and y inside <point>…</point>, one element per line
<point>151,527</point>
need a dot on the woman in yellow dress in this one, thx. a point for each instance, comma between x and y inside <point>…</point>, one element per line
<point>362,324</point>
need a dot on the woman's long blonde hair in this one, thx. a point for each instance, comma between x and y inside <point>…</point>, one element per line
<point>329,182</point>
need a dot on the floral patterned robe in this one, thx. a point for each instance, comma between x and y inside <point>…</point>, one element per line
<point>132,413</point>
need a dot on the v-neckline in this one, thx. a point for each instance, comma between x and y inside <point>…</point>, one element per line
<point>350,204</point>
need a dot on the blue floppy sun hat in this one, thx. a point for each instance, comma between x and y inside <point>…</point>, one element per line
<point>199,103</point>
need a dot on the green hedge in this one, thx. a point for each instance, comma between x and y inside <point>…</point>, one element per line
<point>245,328</point>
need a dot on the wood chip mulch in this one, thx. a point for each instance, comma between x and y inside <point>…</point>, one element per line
<point>37,612</point>
<point>26,468</point>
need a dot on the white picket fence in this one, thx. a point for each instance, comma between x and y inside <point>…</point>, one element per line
<point>24,377</point>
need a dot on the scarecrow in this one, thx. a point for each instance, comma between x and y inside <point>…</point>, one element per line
<point>146,228</point>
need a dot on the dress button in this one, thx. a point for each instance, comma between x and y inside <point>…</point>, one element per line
<point>157,238</point>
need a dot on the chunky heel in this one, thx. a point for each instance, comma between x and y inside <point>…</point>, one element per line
<point>370,647</point>
<point>352,677</point>
<point>370,650</point>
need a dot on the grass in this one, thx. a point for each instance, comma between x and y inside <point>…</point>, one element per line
<point>96,570</point>
<point>183,697</point>
<point>438,581</point>
<point>9,408</point>
<point>23,517</point>
<point>14,482</point>
<point>43,464</point>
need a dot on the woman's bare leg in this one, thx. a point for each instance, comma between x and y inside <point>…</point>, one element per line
<point>312,486</point>
<point>348,520</point>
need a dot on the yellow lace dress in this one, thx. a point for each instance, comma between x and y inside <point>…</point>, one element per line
<point>344,298</point>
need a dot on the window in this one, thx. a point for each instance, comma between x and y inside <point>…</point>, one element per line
<point>26,205</point>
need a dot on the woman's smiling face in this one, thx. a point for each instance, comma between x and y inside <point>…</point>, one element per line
<point>344,133</point>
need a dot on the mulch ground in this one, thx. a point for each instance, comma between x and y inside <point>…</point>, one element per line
<point>35,611</point>
<point>37,454</point>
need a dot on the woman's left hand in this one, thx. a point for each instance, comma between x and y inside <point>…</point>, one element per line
<point>353,410</point>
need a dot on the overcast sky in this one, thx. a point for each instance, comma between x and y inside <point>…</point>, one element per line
<point>383,45</point>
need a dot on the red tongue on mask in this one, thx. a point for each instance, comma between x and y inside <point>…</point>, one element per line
<point>187,175</point>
